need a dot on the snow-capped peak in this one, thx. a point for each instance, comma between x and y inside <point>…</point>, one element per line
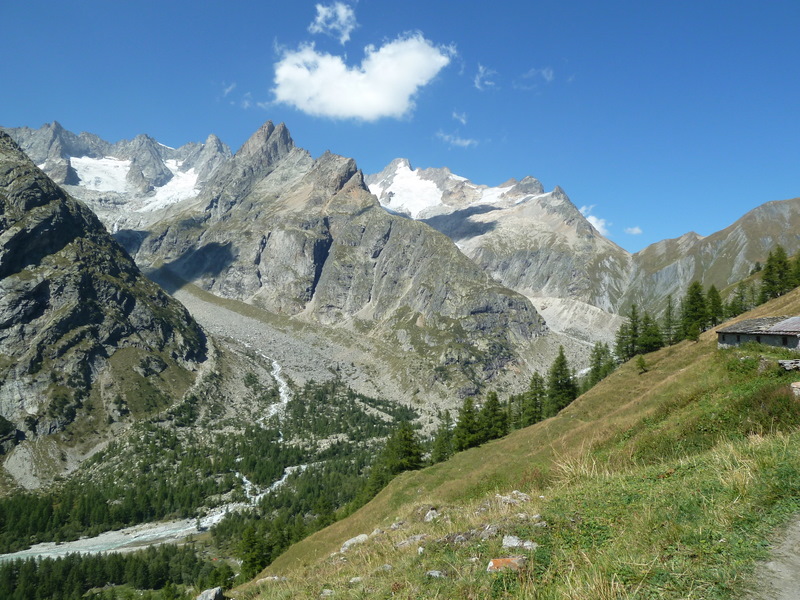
<point>423,193</point>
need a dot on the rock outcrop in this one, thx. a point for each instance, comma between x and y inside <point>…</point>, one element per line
<point>83,334</point>
<point>539,244</point>
<point>305,238</point>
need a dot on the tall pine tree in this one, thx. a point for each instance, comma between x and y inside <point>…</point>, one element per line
<point>443,442</point>
<point>492,419</point>
<point>669,325</point>
<point>714,305</point>
<point>601,364</point>
<point>401,453</point>
<point>694,314</point>
<point>650,338</point>
<point>777,276</point>
<point>467,431</point>
<point>561,386</point>
<point>533,400</point>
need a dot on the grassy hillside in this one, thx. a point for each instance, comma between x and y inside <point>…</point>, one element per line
<point>663,484</point>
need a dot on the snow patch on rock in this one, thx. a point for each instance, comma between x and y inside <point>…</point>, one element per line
<point>102,174</point>
<point>183,185</point>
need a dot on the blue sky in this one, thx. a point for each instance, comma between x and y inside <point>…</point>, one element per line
<point>656,117</point>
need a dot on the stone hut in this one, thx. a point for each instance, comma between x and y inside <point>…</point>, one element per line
<point>774,331</point>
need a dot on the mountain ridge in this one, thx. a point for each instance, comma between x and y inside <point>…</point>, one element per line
<point>80,327</point>
<point>568,258</point>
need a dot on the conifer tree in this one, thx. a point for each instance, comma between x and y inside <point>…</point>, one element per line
<point>401,453</point>
<point>635,329</point>
<point>622,343</point>
<point>626,344</point>
<point>650,338</point>
<point>533,400</point>
<point>796,270</point>
<point>467,431</point>
<point>714,304</point>
<point>694,314</point>
<point>738,303</point>
<point>492,419</point>
<point>601,364</point>
<point>443,442</point>
<point>777,276</point>
<point>561,386</point>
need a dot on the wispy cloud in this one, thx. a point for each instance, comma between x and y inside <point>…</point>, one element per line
<point>455,141</point>
<point>460,117</point>
<point>247,100</point>
<point>532,78</point>
<point>602,225</point>
<point>337,20</point>
<point>383,85</point>
<point>228,89</point>
<point>484,78</point>
<point>635,230</point>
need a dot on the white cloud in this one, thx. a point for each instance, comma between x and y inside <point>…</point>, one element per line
<point>598,223</point>
<point>530,80</point>
<point>456,141</point>
<point>383,85</point>
<point>545,73</point>
<point>483,78</point>
<point>336,20</point>
<point>228,89</point>
<point>636,230</point>
<point>460,117</point>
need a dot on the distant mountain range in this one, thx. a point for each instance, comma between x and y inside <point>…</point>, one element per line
<point>539,244</point>
<point>305,239</point>
<point>417,286</point>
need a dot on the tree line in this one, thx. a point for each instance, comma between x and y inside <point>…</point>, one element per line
<point>700,309</point>
<point>69,578</point>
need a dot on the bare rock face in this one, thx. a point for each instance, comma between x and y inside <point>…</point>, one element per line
<point>539,244</point>
<point>305,238</point>
<point>75,310</point>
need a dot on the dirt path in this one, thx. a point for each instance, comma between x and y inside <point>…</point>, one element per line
<point>779,578</point>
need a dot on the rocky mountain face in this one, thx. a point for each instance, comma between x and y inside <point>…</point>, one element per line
<point>85,338</point>
<point>534,242</point>
<point>304,238</point>
<point>538,243</point>
<point>721,259</point>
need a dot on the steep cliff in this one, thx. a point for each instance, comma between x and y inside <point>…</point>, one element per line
<point>305,238</point>
<point>84,336</point>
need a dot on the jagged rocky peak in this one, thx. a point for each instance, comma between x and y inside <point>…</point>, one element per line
<point>71,299</point>
<point>528,185</point>
<point>211,155</point>
<point>268,144</point>
<point>259,156</point>
<point>147,169</point>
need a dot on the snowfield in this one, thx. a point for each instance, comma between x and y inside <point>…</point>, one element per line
<point>183,185</point>
<point>102,174</point>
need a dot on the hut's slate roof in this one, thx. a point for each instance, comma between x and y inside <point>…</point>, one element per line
<point>772,325</point>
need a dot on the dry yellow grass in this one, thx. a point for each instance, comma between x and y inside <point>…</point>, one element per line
<point>557,449</point>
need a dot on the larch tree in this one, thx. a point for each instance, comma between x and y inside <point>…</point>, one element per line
<point>533,400</point>
<point>650,338</point>
<point>561,386</point>
<point>694,314</point>
<point>716,311</point>
<point>467,431</point>
<point>492,419</point>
